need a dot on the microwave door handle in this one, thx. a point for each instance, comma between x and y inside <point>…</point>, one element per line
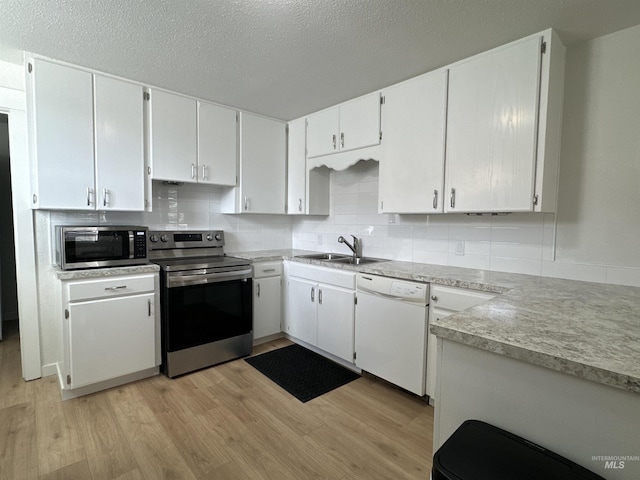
<point>131,249</point>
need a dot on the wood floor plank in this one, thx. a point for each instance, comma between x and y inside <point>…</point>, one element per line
<point>13,389</point>
<point>202,450</point>
<point>152,446</point>
<point>59,440</point>
<point>18,450</point>
<point>106,448</point>
<point>75,471</point>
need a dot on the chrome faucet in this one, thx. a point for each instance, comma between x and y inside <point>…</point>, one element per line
<point>356,248</point>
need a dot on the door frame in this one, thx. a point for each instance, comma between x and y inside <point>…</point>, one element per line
<point>13,103</point>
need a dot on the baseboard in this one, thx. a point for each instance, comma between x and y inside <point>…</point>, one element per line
<point>50,369</point>
<point>268,338</point>
<point>115,382</point>
<point>330,356</point>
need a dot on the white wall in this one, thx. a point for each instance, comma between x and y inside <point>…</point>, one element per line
<point>598,216</point>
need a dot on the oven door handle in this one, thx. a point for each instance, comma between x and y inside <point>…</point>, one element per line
<point>197,279</point>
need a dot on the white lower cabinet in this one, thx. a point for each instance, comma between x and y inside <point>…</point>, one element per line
<point>320,308</point>
<point>444,302</point>
<point>267,300</point>
<point>110,332</point>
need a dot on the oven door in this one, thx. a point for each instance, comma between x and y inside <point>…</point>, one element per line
<point>202,312</point>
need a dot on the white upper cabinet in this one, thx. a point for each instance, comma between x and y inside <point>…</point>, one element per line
<point>119,144</point>
<point>262,167</point>
<point>62,136</point>
<point>351,125</point>
<point>217,144</point>
<point>87,132</point>
<point>173,137</point>
<point>494,149</point>
<point>307,190</point>
<point>297,167</point>
<point>412,163</point>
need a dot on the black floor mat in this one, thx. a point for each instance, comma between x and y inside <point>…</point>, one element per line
<point>301,372</point>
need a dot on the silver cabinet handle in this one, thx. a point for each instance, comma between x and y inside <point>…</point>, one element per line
<point>149,305</point>
<point>320,296</point>
<point>258,289</point>
<point>267,270</point>
<point>119,287</point>
<point>334,141</point>
<point>299,204</point>
<point>105,192</point>
<point>434,298</point>
<point>88,196</point>
<point>313,294</point>
<point>193,170</point>
<point>453,198</point>
<point>342,139</point>
<point>246,203</point>
<point>435,199</point>
<point>205,172</point>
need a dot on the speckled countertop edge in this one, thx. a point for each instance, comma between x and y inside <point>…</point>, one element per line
<point>104,272</point>
<point>585,329</point>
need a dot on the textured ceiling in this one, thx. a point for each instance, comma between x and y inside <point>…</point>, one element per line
<point>288,58</point>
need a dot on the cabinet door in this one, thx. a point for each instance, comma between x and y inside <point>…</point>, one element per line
<point>110,338</point>
<point>302,310</point>
<point>297,171</point>
<point>63,137</point>
<point>322,132</point>
<point>432,351</point>
<point>360,122</point>
<point>217,144</point>
<point>336,312</point>
<point>262,164</point>
<point>412,165</point>
<point>173,137</point>
<point>491,130</point>
<point>267,311</point>
<point>119,137</point>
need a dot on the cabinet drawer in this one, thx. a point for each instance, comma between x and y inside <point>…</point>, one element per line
<point>457,299</point>
<point>267,269</point>
<point>111,287</point>
<point>329,276</point>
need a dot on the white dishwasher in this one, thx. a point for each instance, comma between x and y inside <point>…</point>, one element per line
<point>391,330</point>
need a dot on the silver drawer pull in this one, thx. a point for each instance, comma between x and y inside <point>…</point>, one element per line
<point>267,270</point>
<point>119,287</point>
<point>434,298</point>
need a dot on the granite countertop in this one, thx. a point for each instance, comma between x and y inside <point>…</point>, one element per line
<point>590,330</point>
<point>104,272</point>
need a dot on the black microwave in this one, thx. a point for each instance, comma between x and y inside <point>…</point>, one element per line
<point>104,246</point>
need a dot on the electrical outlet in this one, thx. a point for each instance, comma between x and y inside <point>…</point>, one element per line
<point>460,248</point>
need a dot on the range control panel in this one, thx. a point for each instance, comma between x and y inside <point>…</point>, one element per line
<point>162,240</point>
<point>407,290</point>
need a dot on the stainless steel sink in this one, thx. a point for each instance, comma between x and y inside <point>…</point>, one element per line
<point>325,256</point>
<point>360,261</point>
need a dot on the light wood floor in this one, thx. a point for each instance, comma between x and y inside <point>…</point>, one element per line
<point>226,422</point>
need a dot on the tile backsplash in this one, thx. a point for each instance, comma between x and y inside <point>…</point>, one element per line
<point>512,243</point>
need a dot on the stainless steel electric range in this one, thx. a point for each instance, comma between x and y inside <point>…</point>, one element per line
<point>206,300</point>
